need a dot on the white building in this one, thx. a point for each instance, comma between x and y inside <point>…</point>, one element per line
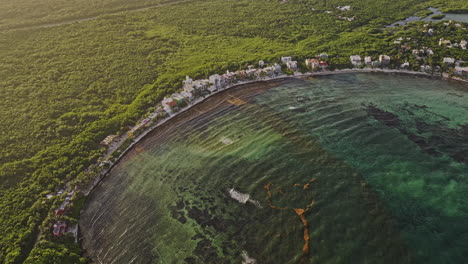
<point>355,60</point>
<point>215,79</point>
<point>368,60</point>
<point>405,65</point>
<point>463,44</point>
<point>323,56</point>
<point>292,65</point>
<point>426,68</point>
<point>187,95</point>
<point>384,59</point>
<point>261,63</point>
<point>312,63</point>
<point>286,59</point>
<point>187,82</point>
<point>240,197</point>
<point>277,68</point>
<point>168,103</point>
<point>177,96</point>
<point>344,8</point>
<point>445,42</point>
<point>449,60</point>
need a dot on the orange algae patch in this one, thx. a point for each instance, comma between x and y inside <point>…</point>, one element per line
<point>236,101</point>
<point>300,212</point>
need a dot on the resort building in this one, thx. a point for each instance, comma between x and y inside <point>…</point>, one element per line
<point>215,80</point>
<point>444,42</point>
<point>384,60</point>
<point>323,64</point>
<point>344,8</point>
<point>168,104</point>
<point>323,56</point>
<point>187,83</point>
<point>292,65</point>
<point>187,95</point>
<point>108,140</point>
<point>240,197</point>
<point>286,59</point>
<point>312,64</point>
<point>449,61</point>
<point>277,68</point>
<point>368,60</point>
<point>463,44</point>
<point>355,60</point>
<point>59,228</point>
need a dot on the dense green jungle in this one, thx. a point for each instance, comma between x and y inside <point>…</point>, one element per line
<point>65,87</point>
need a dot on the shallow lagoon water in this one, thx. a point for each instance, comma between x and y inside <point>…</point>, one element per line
<point>377,162</point>
<point>435,11</point>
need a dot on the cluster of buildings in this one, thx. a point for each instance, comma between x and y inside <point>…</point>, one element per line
<point>448,44</point>
<point>195,89</point>
<point>383,61</point>
<point>61,227</point>
<point>317,63</point>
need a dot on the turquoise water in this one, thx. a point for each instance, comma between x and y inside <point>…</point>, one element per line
<point>377,162</point>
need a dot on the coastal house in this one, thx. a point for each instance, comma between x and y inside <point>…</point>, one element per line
<point>277,68</point>
<point>323,64</point>
<point>344,8</point>
<point>368,60</point>
<point>59,228</point>
<point>384,60</point>
<point>312,64</point>
<point>187,83</point>
<point>323,56</point>
<point>426,68</point>
<point>292,65</point>
<point>187,95</point>
<point>463,44</point>
<point>405,65</point>
<point>240,197</point>
<point>215,80</point>
<point>355,60</point>
<point>449,61</point>
<point>286,59</point>
<point>59,211</point>
<point>177,97</point>
<point>270,71</point>
<point>108,140</point>
<point>445,42</point>
<point>461,72</point>
<point>168,104</point>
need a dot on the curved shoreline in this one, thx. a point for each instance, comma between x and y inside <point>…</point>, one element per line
<point>150,129</point>
<point>153,128</point>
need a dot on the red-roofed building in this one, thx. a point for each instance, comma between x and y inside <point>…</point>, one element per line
<point>59,228</point>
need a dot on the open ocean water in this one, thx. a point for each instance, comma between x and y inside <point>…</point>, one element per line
<point>355,168</point>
